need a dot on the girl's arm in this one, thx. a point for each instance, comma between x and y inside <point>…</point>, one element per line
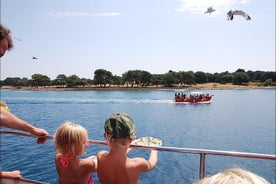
<point>94,160</point>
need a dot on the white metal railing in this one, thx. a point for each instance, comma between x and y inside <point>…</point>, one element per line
<point>201,152</point>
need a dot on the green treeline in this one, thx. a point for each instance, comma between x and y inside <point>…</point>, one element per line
<point>140,78</point>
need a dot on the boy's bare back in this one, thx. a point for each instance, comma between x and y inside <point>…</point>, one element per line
<point>116,168</point>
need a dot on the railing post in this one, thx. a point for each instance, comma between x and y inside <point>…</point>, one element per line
<point>202,166</point>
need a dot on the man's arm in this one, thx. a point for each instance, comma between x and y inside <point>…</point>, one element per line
<point>9,120</point>
<point>11,174</point>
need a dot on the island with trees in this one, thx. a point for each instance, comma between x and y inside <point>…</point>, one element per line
<point>144,79</point>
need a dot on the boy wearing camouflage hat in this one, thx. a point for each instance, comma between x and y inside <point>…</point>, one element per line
<point>114,167</point>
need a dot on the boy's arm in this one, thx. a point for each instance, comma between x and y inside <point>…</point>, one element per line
<point>128,150</point>
<point>148,165</point>
<point>153,159</point>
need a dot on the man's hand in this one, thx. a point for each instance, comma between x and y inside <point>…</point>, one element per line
<point>40,132</point>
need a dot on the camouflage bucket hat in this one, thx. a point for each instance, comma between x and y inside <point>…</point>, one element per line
<point>120,125</point>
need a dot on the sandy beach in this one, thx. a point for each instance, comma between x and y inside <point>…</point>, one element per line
<point>205,86</point>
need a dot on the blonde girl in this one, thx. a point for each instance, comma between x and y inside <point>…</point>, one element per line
<point>233,176</point>
<point>71,141</point>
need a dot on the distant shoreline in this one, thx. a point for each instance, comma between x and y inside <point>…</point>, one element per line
<point>206,86</point>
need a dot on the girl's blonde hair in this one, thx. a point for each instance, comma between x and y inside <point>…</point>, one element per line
<point>69,137</point>
<point>234,176</point>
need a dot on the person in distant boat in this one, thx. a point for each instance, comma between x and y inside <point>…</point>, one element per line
<point>233,175</point>
<point>7,118</point>
<point>114,167</point>
<point>71,141</point>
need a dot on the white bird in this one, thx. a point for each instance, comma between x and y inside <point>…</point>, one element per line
<point>210,10</point>
<point>230,14</point>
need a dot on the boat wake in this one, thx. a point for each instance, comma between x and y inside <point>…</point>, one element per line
<point>91,101</point>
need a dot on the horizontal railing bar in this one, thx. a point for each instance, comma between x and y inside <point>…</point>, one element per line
<point>171,149</point>
<point>25,134</point>
<point>208,151</point>
<point>20,180</point>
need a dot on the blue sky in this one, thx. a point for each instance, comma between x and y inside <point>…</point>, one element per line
<point>77,37</point>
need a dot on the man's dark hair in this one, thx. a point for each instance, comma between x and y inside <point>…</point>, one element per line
<point>5,34</point>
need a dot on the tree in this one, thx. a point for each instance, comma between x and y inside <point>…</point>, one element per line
<point>141,78</point>
<point>102,76</point>
<point>240,78</point>
<point>240,70</point>
<point>130,77</point>
<point>45,80</point>
<point>180,77</point>
<point>268,82</point>
<point>12,81</point>
<point>157,79</point>
<point>40,80</point>
<point>116,80</point>
<point>227,78</point>
<point>270,75</point>
<point>169,79</point>
<point>72,81</point>
<point>82,82</point>
<point>187,78</point>
<point>200,77</point>
<point>61,80</point>
<point>137,77</point>
<point>24,82</point>
<point>210,77</point>
<point>251,75</point>
<point>144,78</point>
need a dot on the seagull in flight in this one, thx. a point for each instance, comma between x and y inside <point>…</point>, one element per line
<point>17,38</point>
<point>34,57</point>
<point>210,10</point>
<point>230,14</point>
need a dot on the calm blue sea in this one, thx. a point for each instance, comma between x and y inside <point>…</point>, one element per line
<point>236,120</point>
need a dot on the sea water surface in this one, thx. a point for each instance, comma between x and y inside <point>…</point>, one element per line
<point>236,120</point>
